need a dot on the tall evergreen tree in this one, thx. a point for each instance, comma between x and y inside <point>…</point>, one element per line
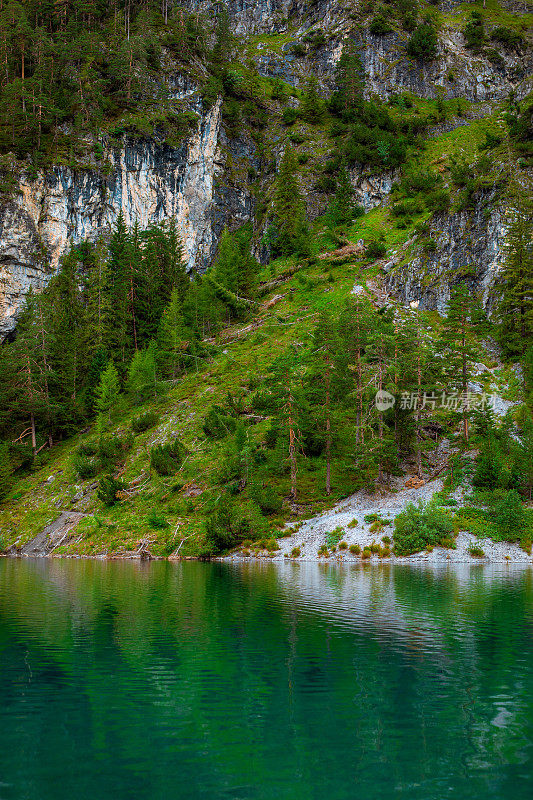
<point>312,105</point>
<point>107,394</point>
<point>5,470</point>
<point>516,305</point>
<point>289,208</point>
<point>342,209</point>
<point>458,347</point>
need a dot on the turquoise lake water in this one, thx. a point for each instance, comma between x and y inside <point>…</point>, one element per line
<point>158,681</point>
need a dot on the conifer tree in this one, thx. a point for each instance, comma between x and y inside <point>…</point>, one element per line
<point>349,81</point>
<point>516,306</point>
<point>115,294</point>
<point>289,208</point>
<point>67,336</point>
<point>342,208</point>
<point>142,379</point>
<point>325,383</point>
<point>96,283</point>
<point>286,382</point>
<point>174,339</point>
<point>107,394</point>
<point>311,106</point>
<point>5,470</point>
<point>457,346</point>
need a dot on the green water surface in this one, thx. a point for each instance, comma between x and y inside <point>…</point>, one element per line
<point>157,681</point>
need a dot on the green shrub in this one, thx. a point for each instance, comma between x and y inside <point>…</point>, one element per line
<point>367,553</point>
<point>156,521</point>
<point>299,50</point>
<point>297,138</point>
<point>296,552</point>
<point>507,36</point>
<point>290,115</point>
<point>510,517</point>
<point>474,31</point>
<point>334,537</point>
<point>376,248</point>
<point>166,459</point>
<point>438,201</point>
<point>354,549</point>
<point>408,207</point>
<point>323,550</point>
<point>3,543</point>
<point>87,449</point>
<point>144,422</point>
<point>218,423</point>
<point>108,489</point>
<point>343,545</point>
<point>271,545</point>
<point>476,551</point>
<point>423,44</point>
<point>85,467</point>
<point>267,499</point>
<point>353,524</point>
<point>90,458</point>
<point>112,450</point>
<point>420,526</point>
<point>376,526</point>
<point>380,25</point>
<point>386,540</point>
<point>227,526</point>
<point>420,179</point>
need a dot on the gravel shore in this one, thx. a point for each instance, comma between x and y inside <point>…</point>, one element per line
<point>311,534</point>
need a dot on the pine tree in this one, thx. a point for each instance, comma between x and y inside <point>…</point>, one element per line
<point>95,285</point>
<point>285,383</point>
<point>174,339</point>
<point>311,106</point>
<point>115,293</point>
<point>524,455</point>
<point>142,378</point>
<point>342,209</point>
<point>516,306</point>
<point>223,36</point>
<point>325,383</point>
<point>67,338</point>
<point>289,209</point>
<point>29,391</point>
<point>5,470</point>
<point>458,349</point>
<point>107,394</point>
<point>349,81</point>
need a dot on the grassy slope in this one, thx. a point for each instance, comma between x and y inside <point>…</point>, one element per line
<point>40,497</point>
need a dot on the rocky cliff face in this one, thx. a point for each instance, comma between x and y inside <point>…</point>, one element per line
<point>148,182</point>
<point>469,245</point>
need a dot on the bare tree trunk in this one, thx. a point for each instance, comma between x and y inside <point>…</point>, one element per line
<point>292,443</point>
<point>328,429</point>
<point>465,380</point>
<point>380,468</point>
<point>419,401</point>
<point>33,436</point>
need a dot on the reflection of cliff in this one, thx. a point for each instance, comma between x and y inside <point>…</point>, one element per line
<point>226,669</point>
